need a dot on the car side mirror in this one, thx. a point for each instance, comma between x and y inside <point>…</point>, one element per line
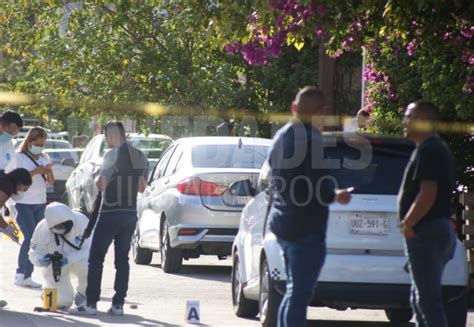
<point>69,162</point>
<point>242,188</point>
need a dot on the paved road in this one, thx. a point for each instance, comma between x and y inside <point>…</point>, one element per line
<point>160,299</point>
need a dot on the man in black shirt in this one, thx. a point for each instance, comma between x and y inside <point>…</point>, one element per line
<point>424,206</point>
<point>121,176</point>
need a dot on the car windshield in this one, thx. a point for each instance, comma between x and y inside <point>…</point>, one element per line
<point>229,156</point>
<point>152,147</point>
<point>58,151</point>
<point>383,174</point>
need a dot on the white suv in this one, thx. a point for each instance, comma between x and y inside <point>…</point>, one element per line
<point>365,265</point>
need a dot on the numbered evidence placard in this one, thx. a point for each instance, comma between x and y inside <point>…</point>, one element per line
<point>50,298</point>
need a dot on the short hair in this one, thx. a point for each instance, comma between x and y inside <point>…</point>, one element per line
<point>427,108</point>
<point>363,112</point>
<point>11,117</point>
<point>309,92</point>
<point>115,126</point>
<point>20,176</point>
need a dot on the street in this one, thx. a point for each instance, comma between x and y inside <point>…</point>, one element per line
<point>160,298</point>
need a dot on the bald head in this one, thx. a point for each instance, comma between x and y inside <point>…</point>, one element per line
<point>424,109</point>
<point>308,102</point>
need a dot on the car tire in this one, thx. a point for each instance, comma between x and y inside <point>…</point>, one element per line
<point>456,311</point>
<point>243,307</point>
<point>171,259</point>
<point>399,315</point>
<point>269,298</point>
<point>140,255</point>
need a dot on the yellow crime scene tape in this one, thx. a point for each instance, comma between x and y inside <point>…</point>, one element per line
<point>156,109</point>
<point>17,231</point>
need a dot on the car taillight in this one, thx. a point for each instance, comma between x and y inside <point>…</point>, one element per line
<point>196,186</point>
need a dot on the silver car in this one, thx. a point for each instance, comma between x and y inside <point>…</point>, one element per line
<point>194,198</point>
<point>80,187</point>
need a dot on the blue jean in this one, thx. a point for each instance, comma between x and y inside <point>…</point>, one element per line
<point>118,227</point>
<point>28,216</point>
<point>304,259</point>
<point>428,252</point>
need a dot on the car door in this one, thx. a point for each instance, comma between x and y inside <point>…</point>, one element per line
<point>75,181</point>
<point>255,220</point>
<point>151,212</point>
<point>92,166</point>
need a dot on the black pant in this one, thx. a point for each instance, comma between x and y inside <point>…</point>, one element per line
<point>117,226</point>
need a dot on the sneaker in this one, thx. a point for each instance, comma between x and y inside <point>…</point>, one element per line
<point>84,309</point>
<point>19,278</point>
<point>28,282</point>
<point>116,310</point>
<point>80,299</point>
<point>3,303</point>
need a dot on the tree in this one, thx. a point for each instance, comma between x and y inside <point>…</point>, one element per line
<point>413,49</point>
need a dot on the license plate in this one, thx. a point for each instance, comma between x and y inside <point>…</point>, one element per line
<point>367,224</point>
<point>243,199</point>
<point>50,189</point>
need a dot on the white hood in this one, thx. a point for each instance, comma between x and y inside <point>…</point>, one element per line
<point>57,213</point>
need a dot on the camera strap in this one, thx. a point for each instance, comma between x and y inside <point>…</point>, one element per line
<point>69,243</point>
<point>36,164</point>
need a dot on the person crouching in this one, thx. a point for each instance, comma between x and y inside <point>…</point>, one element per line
<point>61,231</point>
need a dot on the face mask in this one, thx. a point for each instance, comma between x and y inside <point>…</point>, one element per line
<point>36,149</point>
<point>5,137</point>
<point>59,230</point>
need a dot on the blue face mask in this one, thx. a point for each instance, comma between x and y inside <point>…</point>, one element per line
<point>36,150</point>
<point>5,137</point>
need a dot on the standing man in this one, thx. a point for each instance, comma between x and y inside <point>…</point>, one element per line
<point>10,124</point>
<point>424,206</point>
<point>302,191</point>
<point>121,176</point>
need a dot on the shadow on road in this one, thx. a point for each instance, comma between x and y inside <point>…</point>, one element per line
<point>207,272</point>
<point>345,323</point>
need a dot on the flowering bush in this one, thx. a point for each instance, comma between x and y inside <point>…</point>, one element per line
<point>413,50</point>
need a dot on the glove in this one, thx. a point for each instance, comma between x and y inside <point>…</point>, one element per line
<point>45,261</point>
<point>63,262</point>
<point>11,232</point>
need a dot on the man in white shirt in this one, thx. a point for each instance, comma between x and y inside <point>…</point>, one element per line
<point>10,124</point>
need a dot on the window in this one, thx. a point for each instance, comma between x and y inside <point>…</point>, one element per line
<point>163,163</point>
<point>174,160</point>
<point>383,175</point>
<point>229,156</point>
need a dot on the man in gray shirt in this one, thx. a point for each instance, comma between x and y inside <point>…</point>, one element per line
<point>120,178</point>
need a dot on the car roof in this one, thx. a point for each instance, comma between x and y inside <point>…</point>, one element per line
<point>151,135</point>
<point>208,140</point>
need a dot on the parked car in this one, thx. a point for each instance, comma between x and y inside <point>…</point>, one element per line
<point>80,187</point>
<point>64,158</point>
<point>365,265</point>
<point>191,206</point>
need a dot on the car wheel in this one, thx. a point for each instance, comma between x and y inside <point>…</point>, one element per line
<point>456,311</point>
<point>171,259</point>
<point>269,298</point>
<point>399,315</point>
<point>243,307</point>
<point>140,255</point>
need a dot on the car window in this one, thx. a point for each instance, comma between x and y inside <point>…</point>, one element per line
<point>229,156</point>
<point>152,147</point>
<point>382,175</point>
<point>163,163</point>
<point>178,152</point>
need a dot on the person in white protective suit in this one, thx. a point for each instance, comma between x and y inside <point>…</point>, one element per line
<point>61,231</point>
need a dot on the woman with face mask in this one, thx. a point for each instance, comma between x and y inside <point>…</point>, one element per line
<point>15,182</point>
<point>30,207</point>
